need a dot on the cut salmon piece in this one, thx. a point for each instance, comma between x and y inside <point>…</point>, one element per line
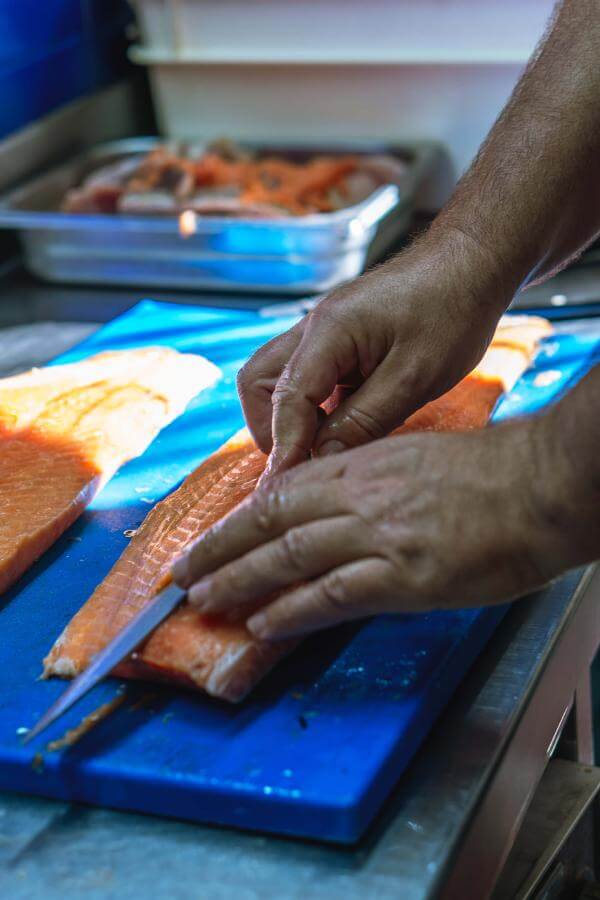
<point>471,402</point>
<point>65,430</point>
<point>215,654</point>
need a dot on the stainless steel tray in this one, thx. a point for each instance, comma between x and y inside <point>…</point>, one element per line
<point>296,255</point>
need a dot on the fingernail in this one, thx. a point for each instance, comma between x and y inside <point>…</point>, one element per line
<point>329,448</point>
<point>258,624</point>
<point>199,594</point>
<point>179,569</point>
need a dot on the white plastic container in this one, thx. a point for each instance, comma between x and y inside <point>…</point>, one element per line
<point>337,69</point>
<point>455,105</point>
<point>342,30</point>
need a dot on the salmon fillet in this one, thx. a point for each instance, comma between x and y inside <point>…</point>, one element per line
<point>212,653</point>
<point>65,430</point>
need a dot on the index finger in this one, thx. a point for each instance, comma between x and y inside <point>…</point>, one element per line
<point>323,356</point>
<point>265,515</point>
<point>256,381</point>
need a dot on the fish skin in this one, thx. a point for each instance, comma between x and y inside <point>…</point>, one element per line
<point>65,430</point>
<point>188,648</point>
<point>215,654</point>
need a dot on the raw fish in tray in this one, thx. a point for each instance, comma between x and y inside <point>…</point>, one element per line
<point>229,181</point>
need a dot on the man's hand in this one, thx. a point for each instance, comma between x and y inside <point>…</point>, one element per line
<point>405,524</point>
<point>399,336</point>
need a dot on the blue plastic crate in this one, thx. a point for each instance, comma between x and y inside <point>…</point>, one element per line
<point>34,87</point>
<point>30,29</point>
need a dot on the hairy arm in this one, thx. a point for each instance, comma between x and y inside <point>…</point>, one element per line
<point>569,447</point>
<point>409,330</point>
<point>531,199</point>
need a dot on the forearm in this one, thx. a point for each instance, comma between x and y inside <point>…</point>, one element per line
<point>531,199</point>
<point>568,472</point>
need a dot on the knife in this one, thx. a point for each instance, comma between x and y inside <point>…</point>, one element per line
<point>125,642</point>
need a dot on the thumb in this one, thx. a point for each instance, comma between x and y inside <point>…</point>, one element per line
<point>311,375</point>
<point>378,406</point>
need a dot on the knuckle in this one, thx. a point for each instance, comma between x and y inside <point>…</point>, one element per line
<point>365,424</point>
<point>419,574</point>
<point>260,370</point>
<point>293,549</point>
<point>285,391</point>
<point>267,508</point>
<point>324,314</point>
<point>230,583</point>
<point>417,387</point>
<point>249,382</point>
<point>333,593</point>
<point>333,324</point>
<point>355,495</point>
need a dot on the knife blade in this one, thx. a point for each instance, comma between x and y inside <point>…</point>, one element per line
<point>122,645</point>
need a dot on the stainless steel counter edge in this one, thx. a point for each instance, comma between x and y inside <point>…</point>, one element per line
<point>521,757</point>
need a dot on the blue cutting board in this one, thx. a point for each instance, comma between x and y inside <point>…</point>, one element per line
<point>318,746</point>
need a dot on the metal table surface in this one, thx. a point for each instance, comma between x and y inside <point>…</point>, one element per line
<point>445,832</point>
